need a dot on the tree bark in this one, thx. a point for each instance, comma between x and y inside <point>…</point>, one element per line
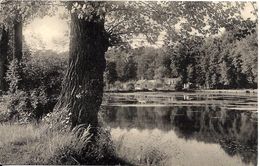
<point>17,39</point>
<point>4,37</point>
<point>82,88</point>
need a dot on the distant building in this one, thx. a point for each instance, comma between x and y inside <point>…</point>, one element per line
<point>188,85</point>
<point>170,81</point>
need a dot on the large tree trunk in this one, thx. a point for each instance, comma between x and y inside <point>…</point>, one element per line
<point>17,39</point>
<point>3,56</point>
<point>82,89</point>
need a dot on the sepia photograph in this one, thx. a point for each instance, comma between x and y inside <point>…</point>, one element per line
<point>135,83</point>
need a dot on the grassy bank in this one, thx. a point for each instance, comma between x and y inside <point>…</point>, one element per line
<point>29,144</point>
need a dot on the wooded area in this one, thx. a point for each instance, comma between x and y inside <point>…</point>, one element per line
<point>227,61</point>
<point>208,44</point>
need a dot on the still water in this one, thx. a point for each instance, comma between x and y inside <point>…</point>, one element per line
<point>183,128</point>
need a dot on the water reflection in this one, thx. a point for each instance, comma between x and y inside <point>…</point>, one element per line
<point>235,131</point>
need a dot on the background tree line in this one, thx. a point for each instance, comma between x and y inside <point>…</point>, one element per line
<point>222,61</point>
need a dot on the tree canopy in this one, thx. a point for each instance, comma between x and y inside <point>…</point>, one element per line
<point>194,45</point>
<point>124,20</point>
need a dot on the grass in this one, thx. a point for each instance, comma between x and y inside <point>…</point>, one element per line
<point>14,141</point>
<point>30,144</point>
<point>146,153</point>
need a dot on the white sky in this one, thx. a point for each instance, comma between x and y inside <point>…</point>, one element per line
<point>52,33</point>
<point>47,33</point>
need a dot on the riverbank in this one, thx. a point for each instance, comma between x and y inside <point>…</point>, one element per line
<point>228,100</point>
<point>251,91</point>
<point>217,91</point>
<point>36,144</point>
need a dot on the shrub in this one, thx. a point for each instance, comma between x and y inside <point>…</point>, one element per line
<point>44,71</point>
<point>4,113</point>
<point>34,85</point>
<point>130,86</point>
<point>118,85</point>
<point>17,106</point>
<point>178,84</point>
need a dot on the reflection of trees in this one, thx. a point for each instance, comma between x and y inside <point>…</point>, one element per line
<point>233,130</point>
<point>137,117</point>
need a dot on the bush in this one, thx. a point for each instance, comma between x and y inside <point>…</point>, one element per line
<point>44,71</point>
<point>34,85</point>
<point>118,85</point>
<point>129,86</point>
<point>178,84</point>
<point>4,113</point>
<point>17,106</point>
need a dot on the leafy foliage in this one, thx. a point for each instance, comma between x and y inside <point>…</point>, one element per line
<point>22,11</point>
<point>222,61</point>
<point>110,73</point>
<point>34,85</point>
<point>125,20</point>
<point>129,69</point>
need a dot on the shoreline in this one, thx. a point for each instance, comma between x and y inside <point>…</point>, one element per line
<point>217,91</point>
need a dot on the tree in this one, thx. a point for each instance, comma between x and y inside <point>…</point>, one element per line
<point>3,55</point>
<point>146,61</point>
<point>110,73</point>
<point>17,41</point>
<point>97,25</point>
<point>191,73</point>
<point>13,14</point>
<point>246,52</point>
<point>163,63</point>
<point>209,62</point>
<point>160,72</point>
<point>120,58</point>
<point>204,19</point>
<point>82,89</point>
<point>130,69</point>
<point>226,68</point>
<point>224,74</point>
<point>183,59</point>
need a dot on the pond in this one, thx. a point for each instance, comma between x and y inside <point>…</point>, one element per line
<point>183,128</point>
